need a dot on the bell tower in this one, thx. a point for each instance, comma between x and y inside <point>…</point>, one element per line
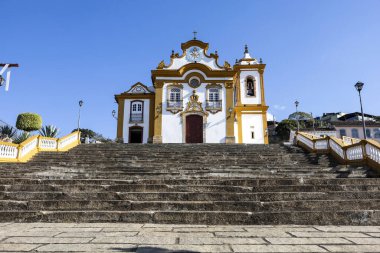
<point>250,106</point>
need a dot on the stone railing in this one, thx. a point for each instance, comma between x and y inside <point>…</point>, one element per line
<point>347,150</point>
<point>10,152</point>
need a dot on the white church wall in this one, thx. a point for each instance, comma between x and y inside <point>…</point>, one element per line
<point>144,124</point>
<point>243,93</point>
<point>252,123</point>
<point>172,128</point>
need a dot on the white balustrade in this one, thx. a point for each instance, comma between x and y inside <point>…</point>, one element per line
<point>8,151</point>
<point>354,153</point>
<point>321,144</point>
<point>337,148</point>
<point>305,141</point>
<point>28,147</point>
<point>46,143</point>
<point>373,152</point>
<point>68,140</point>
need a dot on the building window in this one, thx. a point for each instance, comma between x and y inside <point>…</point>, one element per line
<point>174,102</point>
<point>376,133</point>
<point>368,133</point>
<point>251,87</point>
<point>355,133</point>
<point>213,103</point>
<point>136,111</point>
<point>253,135</point>
<point>342,132</point>
<point>194,82</point>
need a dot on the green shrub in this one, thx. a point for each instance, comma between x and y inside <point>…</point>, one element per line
<point>49,131</point>
<point>29,122</point>
<point>21,137</point>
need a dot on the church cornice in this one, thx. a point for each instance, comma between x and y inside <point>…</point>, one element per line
<point>192,66</point>
<point>259,67</point>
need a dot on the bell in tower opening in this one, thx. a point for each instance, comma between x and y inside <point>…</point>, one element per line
<point>250,87</point>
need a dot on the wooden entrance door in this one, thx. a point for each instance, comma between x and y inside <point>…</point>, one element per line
<point>194,129</point>
<point>135,134</point>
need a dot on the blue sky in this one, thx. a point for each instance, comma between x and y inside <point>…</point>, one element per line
<point>69,50</point>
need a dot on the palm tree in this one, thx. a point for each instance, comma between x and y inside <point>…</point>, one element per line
<point>49,131</point>
<point>21,137</point>
<point>7,131</point>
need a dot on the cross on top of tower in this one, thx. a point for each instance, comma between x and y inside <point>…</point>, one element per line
<point>195,35</point>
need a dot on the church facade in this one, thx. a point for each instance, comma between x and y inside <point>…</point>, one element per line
<point>195,100</point>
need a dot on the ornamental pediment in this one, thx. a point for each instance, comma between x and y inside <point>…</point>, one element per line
<point>194,51</point>
<point>138,88</point>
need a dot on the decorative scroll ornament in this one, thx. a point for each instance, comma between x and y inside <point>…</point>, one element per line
<point>161,65</point>
<point>194,105</point>
<point>227,65</point>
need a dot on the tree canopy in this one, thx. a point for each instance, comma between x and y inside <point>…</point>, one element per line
<point>28,121</point>
<point>300,116</point>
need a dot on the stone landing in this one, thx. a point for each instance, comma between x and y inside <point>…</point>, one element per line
<point>160,238</point>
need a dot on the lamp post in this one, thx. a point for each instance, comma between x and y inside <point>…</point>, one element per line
<point>113,114</point>
<point>359,86</point>
<point>80,106</point>
<point>298,123</point>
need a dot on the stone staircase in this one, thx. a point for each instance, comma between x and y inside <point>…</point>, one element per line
<point>194,184</point>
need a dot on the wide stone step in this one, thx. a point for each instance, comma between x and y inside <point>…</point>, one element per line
<point>209,181</point>
<point>349,217</point>
<point>188,196</point>
<point>133,187</point>
<point>246,206</point>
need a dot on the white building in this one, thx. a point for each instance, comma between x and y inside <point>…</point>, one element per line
<point>354,129</point>
<point>195,100</point>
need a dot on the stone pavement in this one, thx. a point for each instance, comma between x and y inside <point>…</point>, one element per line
<point>123,237</point>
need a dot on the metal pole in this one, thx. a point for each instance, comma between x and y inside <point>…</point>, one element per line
<point>298,123</point>
<point>363,121</point>
<point>79,118</point>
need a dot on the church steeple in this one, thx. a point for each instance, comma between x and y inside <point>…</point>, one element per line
<point>246,53</point>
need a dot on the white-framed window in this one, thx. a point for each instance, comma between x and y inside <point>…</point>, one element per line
<point>376,133</point>
<point>214,94</point>
<point>214,102</point>
<point>136,111</point>
<point>175,94</point>
<point>355,133</point>
<point>368,133</point>
<point>174,101</point>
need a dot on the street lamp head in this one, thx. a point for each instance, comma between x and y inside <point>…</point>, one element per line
<point>80,103</point>
<point>113,113</point>
<point>359,86</point>
<point>296,103</point>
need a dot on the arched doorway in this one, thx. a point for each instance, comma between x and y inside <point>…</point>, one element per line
<point>194,129</point>
<point>135,134</point>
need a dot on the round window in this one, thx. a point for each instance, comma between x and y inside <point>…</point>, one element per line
<point>194,83</point>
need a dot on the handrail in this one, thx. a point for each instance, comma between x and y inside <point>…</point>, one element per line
<point>10,152</point>
<point>354,151</point>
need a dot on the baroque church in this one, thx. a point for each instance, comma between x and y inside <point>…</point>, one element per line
<point>195,100</point>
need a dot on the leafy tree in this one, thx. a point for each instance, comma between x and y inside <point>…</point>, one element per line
<point>300,116</point>
<point>29,122</point>
<point>284,127</point>
<point>49,131</point>
<point>7,132</point>
<point>21,137</point>
<point>92,135</point>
